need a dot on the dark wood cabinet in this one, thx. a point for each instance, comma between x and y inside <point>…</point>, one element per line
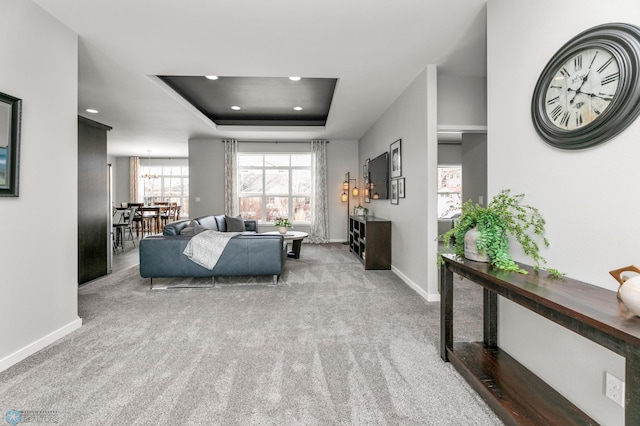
<point>370,240</point>
<point>93,200</point>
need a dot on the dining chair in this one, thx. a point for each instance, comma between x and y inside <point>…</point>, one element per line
<point>123,225</point>
<point>169,215</point>
<point>137,218</point>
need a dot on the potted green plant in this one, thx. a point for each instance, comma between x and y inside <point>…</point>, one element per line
<point>504,216</point>
<point>283,224</point>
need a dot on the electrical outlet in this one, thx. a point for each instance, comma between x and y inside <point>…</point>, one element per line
<point>614,389</point>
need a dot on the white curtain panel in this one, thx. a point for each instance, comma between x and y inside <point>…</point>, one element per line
<point>231,177</point>
<point>319,232</point>
<point>134,174</point>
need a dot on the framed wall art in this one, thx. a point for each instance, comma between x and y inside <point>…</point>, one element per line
<point>401,188</point>
<point>10,120</point>
<point>396,159</point>
<point>394,191</point>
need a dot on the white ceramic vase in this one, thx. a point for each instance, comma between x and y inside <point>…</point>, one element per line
<point>629,290</point>
<point>282,229</point>
<point>470,247</point>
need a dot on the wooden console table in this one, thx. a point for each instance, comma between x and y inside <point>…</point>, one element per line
<point>516,394</point>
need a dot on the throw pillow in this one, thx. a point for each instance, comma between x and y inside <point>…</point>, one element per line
<point>234,224</point>
<point>192,229</point>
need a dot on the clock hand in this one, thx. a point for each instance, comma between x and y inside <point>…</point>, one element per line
<point>607,98</point>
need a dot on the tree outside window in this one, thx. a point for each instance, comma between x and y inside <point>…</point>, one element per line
<point>449,191</point>
<point>271,186</point>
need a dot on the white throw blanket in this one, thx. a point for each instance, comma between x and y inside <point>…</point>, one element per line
<point>206,247</point>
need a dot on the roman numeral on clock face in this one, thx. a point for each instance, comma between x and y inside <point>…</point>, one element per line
<point>577,63</point>
<point>610,78</point>
<point>555,113</point>
<point>605,65</point>
<point>553,100</point>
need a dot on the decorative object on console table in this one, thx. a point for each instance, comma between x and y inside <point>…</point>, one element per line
<point>359,210</point>
<point>629,291</point>
<point>370,240</point>
<point>505,215</point>
<point>590,89</point>
<point>10,122</point>
<point>396,159</point>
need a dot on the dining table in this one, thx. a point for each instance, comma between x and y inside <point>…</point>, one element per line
<point>154,214</point>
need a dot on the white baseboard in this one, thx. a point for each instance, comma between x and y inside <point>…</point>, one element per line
<point>429,297</point>
<point>41,343</point>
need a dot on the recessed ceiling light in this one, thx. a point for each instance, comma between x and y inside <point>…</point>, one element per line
<point>294,78</point>
<point>91,110</point>
<point>236,108</point>
<point>211,77</point>
<point>297,108</point>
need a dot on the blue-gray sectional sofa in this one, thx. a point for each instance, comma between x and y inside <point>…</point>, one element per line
<point>248,253</point>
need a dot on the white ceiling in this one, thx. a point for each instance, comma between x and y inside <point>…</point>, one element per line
<point>374,47</point>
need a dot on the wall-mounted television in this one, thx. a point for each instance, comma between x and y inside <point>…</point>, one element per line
<point>379,175</point>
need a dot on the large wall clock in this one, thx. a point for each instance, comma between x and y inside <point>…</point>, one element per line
<point>590,89</point>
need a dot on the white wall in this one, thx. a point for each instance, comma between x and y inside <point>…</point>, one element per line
<point>39,65</point>
<point>412,118</point>
<point>462,102</point>
<point>578,192</point>
<point>206,168</point>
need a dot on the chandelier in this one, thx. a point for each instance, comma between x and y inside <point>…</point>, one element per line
<point>148,174</point>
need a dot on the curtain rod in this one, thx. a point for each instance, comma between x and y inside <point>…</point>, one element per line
<point>272,141</point>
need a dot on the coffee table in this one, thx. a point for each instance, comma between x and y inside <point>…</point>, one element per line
<point>296,238</point>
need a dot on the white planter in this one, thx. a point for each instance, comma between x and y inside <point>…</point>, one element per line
<point>471,248</point>
<point>282,229</point>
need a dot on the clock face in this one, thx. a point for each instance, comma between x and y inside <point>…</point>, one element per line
<point>589,91</point>
<point>582,88</point>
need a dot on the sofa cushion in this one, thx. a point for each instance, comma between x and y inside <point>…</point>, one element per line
<point>174,228</point>
<point>209,222</point>
<point>192,229</point>
<point>235,224</point>
<point>222,224</point>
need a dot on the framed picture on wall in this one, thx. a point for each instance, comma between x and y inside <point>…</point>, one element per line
<point>396,159</point>
<point>10,121</point>
<point>401,188</point>
<point>394,191</point>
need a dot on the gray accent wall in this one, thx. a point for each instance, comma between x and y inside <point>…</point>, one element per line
<point>412,118</point>
<point>474,168</point>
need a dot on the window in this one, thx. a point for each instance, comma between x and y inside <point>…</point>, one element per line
<point>449,191</point>
<point>275,185</point>
<point>171,184</point>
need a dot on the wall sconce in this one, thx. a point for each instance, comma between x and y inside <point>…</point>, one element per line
<point>345,196</point>
<point>345,187</point>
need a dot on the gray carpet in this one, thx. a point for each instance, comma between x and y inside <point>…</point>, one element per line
<point>332,344</point>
